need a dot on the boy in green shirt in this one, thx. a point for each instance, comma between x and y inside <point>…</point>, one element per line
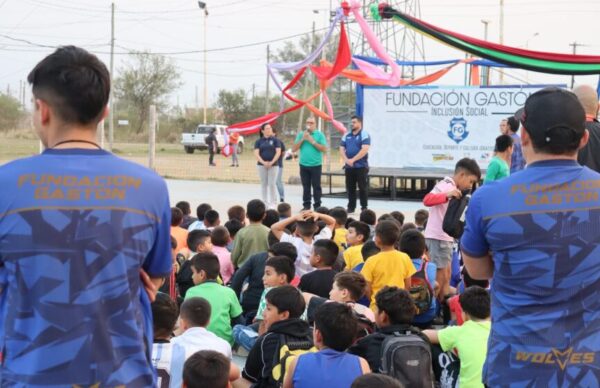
<point>225,307</point>
<point>499,166</point>
<point>253,238</point>
<point>469,340</point>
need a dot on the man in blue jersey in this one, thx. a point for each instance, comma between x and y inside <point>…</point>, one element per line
<point>537,234</point>
<point>77,226</point>
<point>354,149</point>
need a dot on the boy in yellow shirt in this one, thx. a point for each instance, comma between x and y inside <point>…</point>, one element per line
<point>340,231</point>
<point>389,267</point>
<point>358,234</point>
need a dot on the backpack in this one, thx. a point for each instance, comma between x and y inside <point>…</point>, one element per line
<point>288,351</point>
<point>208,139</point>
<point>407,358</point>
<point>421,290</point>
<point>364,325</point>
<point>454,223</point>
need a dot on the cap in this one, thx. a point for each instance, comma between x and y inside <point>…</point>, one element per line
<point>553,117</point>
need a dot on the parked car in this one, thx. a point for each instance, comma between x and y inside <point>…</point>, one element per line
<point>194,140</point>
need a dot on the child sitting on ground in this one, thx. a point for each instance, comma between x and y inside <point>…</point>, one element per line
<point>395,312</point>
<point>252,238</point>
<point>211,219</point>
<point>339,232</point>
<point>220,238</point>
<point>358,234</point>
<point>348,287</point>
<point>177,231</point>
<point>335,328</point>
<point>284,210</point>
<point>369,217</point>
<point>225,307</point>
<point>279,270</point>
<point>208,368</point>
<point>164,318</point>
<point>470,340</point>
<point>253,270</point>
<point>283,326</point>
<point>198,241</point>
<point>238,213</point>
<point>304,237</point>
<point>233,227</point>
<point>439,243</point>
<point>200,212</point>
<point>323,256</point>
<point>412,243</point>
<point>421,217</point>
<point>389,267</point>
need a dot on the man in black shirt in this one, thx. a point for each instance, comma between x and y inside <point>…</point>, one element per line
<point>211,142</point>
<point>590,154</point>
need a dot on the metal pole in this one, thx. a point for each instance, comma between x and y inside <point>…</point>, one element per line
<point>152,137</point>
<point>205,87</point>
<point>111,113</point>
<point>501,36</point>
<point>574,45</point>
<point>485,74</point>
<point>267,94</point>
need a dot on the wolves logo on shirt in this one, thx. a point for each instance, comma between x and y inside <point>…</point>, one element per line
<point>458,129</point>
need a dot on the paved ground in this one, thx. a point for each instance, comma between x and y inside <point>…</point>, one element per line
<point>222,195</point>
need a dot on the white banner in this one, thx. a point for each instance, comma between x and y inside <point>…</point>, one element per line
<point>434,127</point>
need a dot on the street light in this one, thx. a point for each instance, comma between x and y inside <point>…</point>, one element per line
<point>203,6</point>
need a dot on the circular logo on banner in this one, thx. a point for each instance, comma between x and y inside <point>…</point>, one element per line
<point>458,129</point>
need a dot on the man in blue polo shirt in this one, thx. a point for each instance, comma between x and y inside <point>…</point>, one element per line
<point>77,227</point>
<point>354,149</point>
<point>537,234</point>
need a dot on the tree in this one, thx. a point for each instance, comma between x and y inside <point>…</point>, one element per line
<point>11,112</point>
<point>148,79</point>
<point>234,105</point>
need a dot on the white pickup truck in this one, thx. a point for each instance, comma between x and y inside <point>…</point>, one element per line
<point>194,140</point>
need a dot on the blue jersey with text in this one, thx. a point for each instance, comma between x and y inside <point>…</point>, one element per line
<point>76,227</point>
<point>353,144</point>
<point>542,227</point>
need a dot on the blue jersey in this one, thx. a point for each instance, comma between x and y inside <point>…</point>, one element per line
<point>353,144</point>
<point>76,226</point>
<point>542,226</point>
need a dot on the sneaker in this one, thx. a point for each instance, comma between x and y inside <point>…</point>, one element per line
<point>350,211</point>
<point>212,164</point>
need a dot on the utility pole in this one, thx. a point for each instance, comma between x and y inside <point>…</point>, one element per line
<point>501,36</point>
<point>574,45</point>
<point>267,94</point>
<point>111,113</point>
<point>253,90</point>
<point>205,85</point>
<point>485,74</point>
<point>197,104</point>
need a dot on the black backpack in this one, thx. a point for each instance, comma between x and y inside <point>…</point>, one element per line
<point>421,290</point>
<point>407,358</point>
<point>454,223</point>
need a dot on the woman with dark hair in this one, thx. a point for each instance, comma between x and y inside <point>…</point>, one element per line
<point>267,150</point>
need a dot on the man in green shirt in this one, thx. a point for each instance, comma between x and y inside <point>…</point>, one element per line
<point>225,307</point>
<point>311,143</point>
<point>499,166</point>
<point>470,340</point>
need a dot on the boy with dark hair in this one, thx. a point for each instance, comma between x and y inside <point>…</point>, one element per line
<point>238,213</point>
<point>439,243</point>
<point>395,310</point>
<point>283,325</point>
<point>177,231</point>
<point>164,318</point>
<point>389,267</point>
<point>358,234</point>
<point>369,217</point>
<point>423,284</point>
<point>224,304</point>
<point>378,380</point>
<point>304,237</point>
<point>398,216</point>
<point>186,209</point>
<point>252,238</point>
<point>285,210</point>
<point>208,368</point>
<point>517,160</point>
<point>323,256</point>
<point>421,217</point>
<point>211,219</point>
<point>233,226</point>
<point>499,165</point>
<point>253,270</point>
<point>197,241</point>
<point>334,331</point>
<point>339,231</point>
<point>95,245</point>
<point>200,212</point>
<point>471,338</point>
<point>271,217</point>
<point>220,238</point>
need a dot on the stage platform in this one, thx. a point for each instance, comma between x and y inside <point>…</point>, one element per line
<point>393,183</point>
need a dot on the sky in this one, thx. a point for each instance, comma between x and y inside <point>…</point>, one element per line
<point>30,29</point>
